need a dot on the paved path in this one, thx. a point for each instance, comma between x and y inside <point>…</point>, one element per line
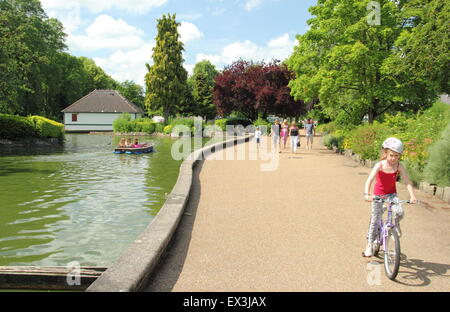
<point>301,227</point>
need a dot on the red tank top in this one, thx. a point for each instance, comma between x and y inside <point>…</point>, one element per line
<point>386,182</point>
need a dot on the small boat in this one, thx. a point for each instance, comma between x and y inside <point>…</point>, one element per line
<point>134,150</point>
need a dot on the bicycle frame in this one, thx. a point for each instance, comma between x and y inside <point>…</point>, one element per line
<point>387,236</point>
<point>385,226</point>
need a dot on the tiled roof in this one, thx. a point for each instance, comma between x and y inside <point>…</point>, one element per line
<point>103,101</point>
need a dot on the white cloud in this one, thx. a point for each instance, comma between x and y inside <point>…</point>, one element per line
<point>278,48</point>
<point>189,32</point>
<point>189,68</point>
<point>139,7</point>
<point>128,65</point>
<point>67,12</point>
<point>252,4</point>
<point>280,42</point>
<point>107,33</point>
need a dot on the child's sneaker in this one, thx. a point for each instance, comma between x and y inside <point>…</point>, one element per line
<point>369,250</point>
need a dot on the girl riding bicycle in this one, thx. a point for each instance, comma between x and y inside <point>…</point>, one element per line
<point>386,172</point>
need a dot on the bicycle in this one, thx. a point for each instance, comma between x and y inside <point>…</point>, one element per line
<point>387,236</point>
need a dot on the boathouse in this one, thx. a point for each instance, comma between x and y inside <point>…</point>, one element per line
<point>97,111</point>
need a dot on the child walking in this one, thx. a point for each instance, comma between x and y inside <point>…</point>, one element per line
<point>386,172</point>
<point>258,137</point>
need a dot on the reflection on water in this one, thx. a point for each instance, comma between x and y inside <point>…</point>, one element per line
<point>79,202</point>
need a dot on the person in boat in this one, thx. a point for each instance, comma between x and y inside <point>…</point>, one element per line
<point>122,143</point>
<point>128,143</point>
<point>137,145</point>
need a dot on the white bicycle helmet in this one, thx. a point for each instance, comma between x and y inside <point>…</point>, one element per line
<point>393,144</point>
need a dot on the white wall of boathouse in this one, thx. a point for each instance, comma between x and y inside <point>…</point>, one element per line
<point>87,122</point>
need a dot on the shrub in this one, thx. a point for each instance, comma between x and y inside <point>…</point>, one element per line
<point>47,128</point>
<point>437,169</point>
<point>334,141</point>
<point>397,123</point>
<point>326,128</point>
<point>414,172</point>
<point>184,121</point>
<point>159,127</point>
<point>221,123</point>
<point>264,125</point>
<point>366,140</point>
<point>168,129</point>
<point>148,127</point>
<point>122,123</point>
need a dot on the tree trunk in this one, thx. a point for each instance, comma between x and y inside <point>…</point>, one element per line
<point>372,110</point>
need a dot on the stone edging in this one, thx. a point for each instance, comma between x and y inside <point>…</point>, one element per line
<point>130,272</point>
<point>29,141</point>
<point>442,193</point>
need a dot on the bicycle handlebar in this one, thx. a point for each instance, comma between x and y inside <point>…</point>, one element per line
<point>408,201</point>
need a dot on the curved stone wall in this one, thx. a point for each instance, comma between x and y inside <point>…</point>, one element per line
<point>130,272</point>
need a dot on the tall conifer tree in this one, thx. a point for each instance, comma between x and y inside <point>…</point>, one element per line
<point>166,80</point>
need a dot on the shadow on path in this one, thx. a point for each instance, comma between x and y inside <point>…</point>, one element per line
<point>417,272</point>
<point>167,272</point>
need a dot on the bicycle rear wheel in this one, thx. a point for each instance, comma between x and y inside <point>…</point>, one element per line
<point>392,254</point>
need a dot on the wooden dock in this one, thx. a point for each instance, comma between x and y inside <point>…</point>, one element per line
<point>48,278</point>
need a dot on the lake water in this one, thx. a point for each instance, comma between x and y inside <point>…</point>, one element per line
<point>79,202</point>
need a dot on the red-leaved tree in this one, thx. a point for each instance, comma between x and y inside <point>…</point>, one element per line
<point>256,88</point>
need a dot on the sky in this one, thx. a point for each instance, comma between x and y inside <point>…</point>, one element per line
<point>119,35</point>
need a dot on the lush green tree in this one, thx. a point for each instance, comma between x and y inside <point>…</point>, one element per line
<point>97,78</point>
<point>203,95</point>
<point>65,84</point>
<point>203,82</point>
<point>29,40</point>
<point>343,60</point>
<point>423,47</point>
<point>38,77</point>
<point>166,80</point>
<point>132,92</point>
<point>188,105</point>
<point>205,68</point>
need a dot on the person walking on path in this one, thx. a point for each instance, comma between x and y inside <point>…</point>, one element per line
<point>385,172</point>
<point>284,132</point>
<point>310,132</point>
<point>294,133</point>
<point>258,137</point>
<point>275,133</point>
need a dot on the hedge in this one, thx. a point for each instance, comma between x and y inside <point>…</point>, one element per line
<point>13,127</point>
<point>124,124</point>
<point>47,128</point>
<point>437,170</point>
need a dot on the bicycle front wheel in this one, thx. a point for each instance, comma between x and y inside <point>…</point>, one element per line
<point>392,254</point>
